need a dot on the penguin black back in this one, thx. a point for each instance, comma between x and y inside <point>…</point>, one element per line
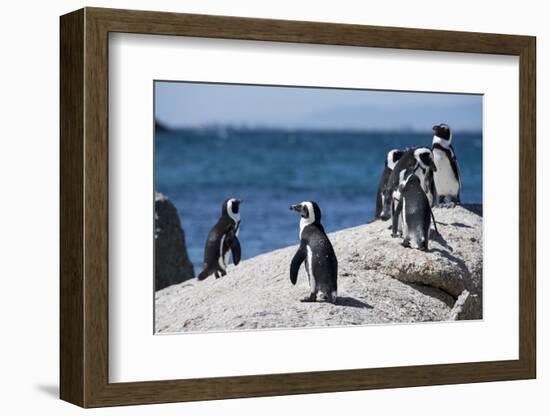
<point>420,159</point>
<point>222,238</point>
<point>415,211</point>
<point>406,161</point>
<point>392,158</point>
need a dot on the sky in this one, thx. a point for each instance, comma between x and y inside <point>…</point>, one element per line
<point>182,104</point>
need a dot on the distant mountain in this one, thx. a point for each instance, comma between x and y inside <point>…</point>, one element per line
<point>420,118</point>
<point>160,126</point>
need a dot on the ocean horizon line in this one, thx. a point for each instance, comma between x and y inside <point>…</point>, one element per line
<point>164,127</point>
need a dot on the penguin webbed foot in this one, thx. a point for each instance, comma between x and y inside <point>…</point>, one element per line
<point>454,202</point>
<point>328,298</point>
<point>311,298</point>
<point>406,243</point>
<point>220,273</point>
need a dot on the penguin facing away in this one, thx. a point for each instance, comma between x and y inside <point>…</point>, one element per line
<point>222,238</point>
<point>419,159</point>
<point>447,178</point>
<point>425,170</point>
<point>318,254</point>
<point>392,158</point>
<point>415,211</point>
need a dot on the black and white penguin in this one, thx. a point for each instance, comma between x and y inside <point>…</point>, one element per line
<point>420,159</point>
<point>222,238</point>
<point>317,252</point>
<point>425,170</point>
<point>414,210</point>
<point>447,177</point>
<point>392,158</point>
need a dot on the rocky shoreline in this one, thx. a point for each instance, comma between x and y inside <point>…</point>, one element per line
<point>379,282</point>
<point>172,264</point>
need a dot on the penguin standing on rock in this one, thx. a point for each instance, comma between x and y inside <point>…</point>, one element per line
<point>420,159</point>
<point>392,158</point>
<point>447,177</point>
<point>415,211</point>
<point>317,252</point>
<point>222,238</point>
<point>425,170</point>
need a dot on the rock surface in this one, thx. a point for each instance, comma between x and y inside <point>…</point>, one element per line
<point>172,265</point>
<point>379,281</point>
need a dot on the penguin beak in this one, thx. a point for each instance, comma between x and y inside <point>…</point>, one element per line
<point>297,208</point>
<point>434,128</point>
<point>432,165</point>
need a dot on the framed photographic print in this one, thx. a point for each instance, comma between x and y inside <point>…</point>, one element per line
<point>256,207</point>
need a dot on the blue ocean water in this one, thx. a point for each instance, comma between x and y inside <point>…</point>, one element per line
<point>272,169</point>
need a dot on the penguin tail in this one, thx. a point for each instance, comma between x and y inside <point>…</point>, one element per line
<point>205,272</point>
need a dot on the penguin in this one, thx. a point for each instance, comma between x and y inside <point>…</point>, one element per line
<point>420,159</point>
<point>392,158</point>
<point>221,239</point>
<point>447,178</point>
<point>425,170</point>
<point>414,210</point>
<point>317,252</point>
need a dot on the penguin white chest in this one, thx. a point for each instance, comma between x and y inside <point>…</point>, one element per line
<point>444,177</point>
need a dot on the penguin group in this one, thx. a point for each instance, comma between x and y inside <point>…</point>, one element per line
<point>411,183</point>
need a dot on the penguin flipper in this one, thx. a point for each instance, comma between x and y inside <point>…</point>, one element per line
<point>430,184</point>
<point>378,209</point>
<point>454,166</point>
<point>236,251</point>
<point>297,261</point>
<point>435,224</point>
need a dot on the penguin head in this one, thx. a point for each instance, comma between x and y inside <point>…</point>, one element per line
<point>407,176</point>
<point>309,211</point>
<point>231,208</point>
<point>442,132</point>
<point>393,157</point>
<point>424,157</point>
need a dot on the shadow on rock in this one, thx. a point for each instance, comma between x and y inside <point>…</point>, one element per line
<point>458,261</point>
<point>351,302</point>
<point>434,292</point>
<point>437,237</point>
<point>460,225</point>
